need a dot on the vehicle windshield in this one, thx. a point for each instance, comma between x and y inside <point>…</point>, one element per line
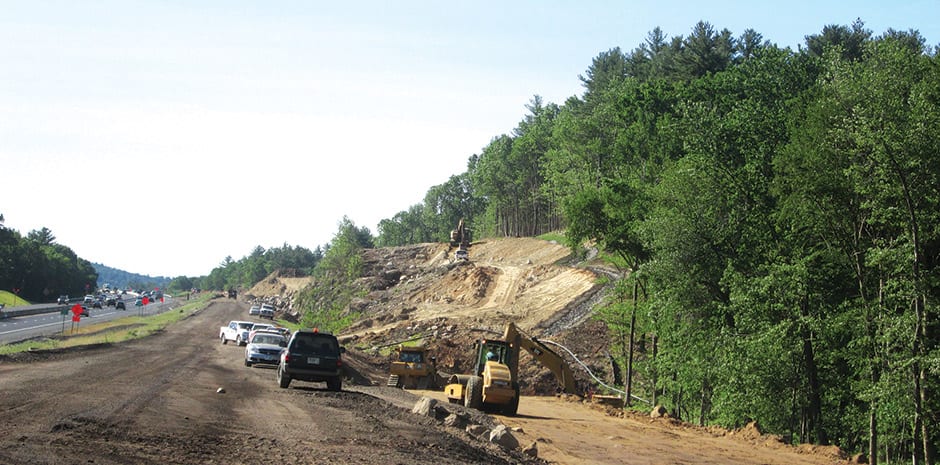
<point>317,345</point>
<point>411,357</point>
<point>245,325</point>
<point>267,339</point>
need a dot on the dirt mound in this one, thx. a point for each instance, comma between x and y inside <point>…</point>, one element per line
<point>282,283</point>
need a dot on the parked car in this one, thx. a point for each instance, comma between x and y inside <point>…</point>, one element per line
<point>267,311</point>
<point>259,327</point>
<point>254,310</point>
<point>312,356</point>
<point>237,331</point>
<point>264,347</point>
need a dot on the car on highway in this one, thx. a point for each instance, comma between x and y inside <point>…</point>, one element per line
<point>119,305</point>
<point>139,302</point>
<point>264,347</point>
<point>88,299</point>
<point>96,303</point>
<point>84,311</point>
<point>312,356</point>
<point>63,300</point>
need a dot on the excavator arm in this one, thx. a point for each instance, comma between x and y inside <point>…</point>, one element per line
<point>554,362</point>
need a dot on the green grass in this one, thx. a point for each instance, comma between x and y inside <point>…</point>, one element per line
<point>10,299</point>
<point>557,236</point>
<point>114,331</point>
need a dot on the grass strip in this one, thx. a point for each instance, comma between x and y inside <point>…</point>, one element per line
<point>119,330</point>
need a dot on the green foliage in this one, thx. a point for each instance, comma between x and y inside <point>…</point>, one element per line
<point>36,268</point>
<point>249,270</point>
<point>325,304</point>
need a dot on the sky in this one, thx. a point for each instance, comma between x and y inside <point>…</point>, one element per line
<point>160,137</point>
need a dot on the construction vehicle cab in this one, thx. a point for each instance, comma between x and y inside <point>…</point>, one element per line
<point>412,368</point>
<point>494,383</point>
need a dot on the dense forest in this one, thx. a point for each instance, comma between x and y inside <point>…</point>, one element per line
<point>38,269</point>
<point>774,212</point>
<point>120,279</point>
<point>252,268</point>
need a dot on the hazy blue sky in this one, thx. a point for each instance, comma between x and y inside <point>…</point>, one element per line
<point>160,137</point>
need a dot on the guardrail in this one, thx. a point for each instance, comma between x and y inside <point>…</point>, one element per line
<point>35,310</point>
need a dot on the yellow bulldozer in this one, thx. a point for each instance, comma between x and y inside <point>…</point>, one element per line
<point>412,368</point>
<point>494,383</point>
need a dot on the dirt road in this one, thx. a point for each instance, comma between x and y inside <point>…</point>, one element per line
<point>155,401</point>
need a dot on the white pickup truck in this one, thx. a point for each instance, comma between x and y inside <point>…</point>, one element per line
<point>237,331</point>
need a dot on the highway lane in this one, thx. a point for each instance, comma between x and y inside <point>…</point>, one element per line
<point>46,324</point>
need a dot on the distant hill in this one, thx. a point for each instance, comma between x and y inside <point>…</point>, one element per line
<point>122,279</point>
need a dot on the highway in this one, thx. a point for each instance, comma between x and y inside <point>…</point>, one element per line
<point>21,328</point>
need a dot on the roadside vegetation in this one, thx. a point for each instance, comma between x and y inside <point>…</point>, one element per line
<point>111,332</point>
<point>9,300</point>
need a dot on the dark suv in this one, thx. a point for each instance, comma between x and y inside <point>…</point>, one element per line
<point>314,357</point>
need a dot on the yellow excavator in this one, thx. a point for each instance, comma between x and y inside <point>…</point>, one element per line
<point>460,238</point>
<point>494,383</point>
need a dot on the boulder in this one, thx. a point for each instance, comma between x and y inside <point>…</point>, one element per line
<point>659,412</point>
<point>477,430</point>
<point>425,407</point>
<point>502,437</point>
<point>532,450</point>
<point>455,421</point>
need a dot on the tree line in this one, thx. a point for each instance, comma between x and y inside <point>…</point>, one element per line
<point>38,269</point>
<point>774,212</point>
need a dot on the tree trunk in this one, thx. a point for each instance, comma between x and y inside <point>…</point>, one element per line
<point>629,395</point>
<point>809,360</point>
<point>655,373</point>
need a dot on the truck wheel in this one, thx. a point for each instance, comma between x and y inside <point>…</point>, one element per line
<point>224,341</point>
<point>473,398</point>
<point>238,340</point>
<point>335,384</point>
<point>283,379</point>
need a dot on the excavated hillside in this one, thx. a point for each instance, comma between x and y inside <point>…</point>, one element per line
<point>420,292</point>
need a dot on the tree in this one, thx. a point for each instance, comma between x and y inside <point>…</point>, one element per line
<point>849,41</point>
